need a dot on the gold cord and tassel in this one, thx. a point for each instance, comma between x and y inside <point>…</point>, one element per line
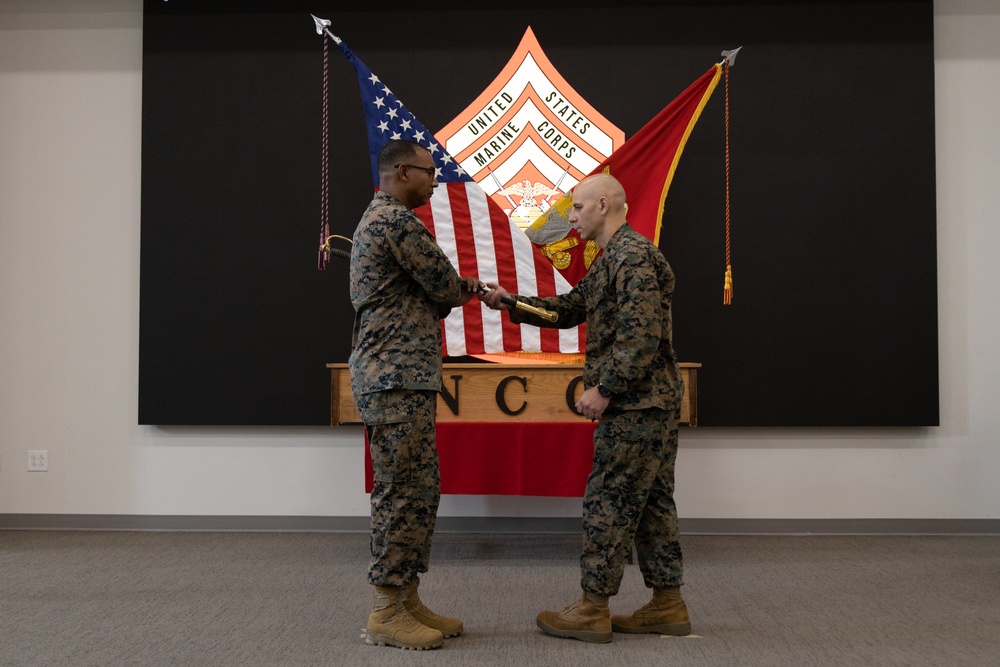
<point>727,289</point>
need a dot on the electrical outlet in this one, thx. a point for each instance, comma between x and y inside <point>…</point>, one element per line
<point>38,460</point>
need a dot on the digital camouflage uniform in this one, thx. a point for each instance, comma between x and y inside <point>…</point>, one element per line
<point>401,283</point>
<point>625,301</point>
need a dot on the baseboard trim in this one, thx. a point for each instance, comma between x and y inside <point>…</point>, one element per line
<point>840,526</point>
<point>471,524</point>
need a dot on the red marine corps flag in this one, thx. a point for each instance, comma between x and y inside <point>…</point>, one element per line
<point>646,162</point>
<point>475,234</point>
<point>530,137</point>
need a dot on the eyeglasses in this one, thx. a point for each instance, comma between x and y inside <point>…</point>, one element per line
<point>430,171</point>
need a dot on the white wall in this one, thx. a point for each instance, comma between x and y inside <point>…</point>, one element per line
<point>70,83</point>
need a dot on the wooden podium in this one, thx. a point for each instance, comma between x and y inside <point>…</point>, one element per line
<point>504,393</point>
<point>508,429</point>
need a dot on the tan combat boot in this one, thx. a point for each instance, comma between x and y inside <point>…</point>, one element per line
<point>390,624</point>
<point>449,627</point>
<point>665,614</point>
<point>587,619</point>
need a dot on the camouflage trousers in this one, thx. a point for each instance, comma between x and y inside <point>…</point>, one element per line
<point>407,482</point>
<point>630,499</point>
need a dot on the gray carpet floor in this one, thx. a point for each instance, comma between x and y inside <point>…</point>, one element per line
<point>82,598</point>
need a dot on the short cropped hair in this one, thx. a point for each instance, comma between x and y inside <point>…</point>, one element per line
<point>395,151</point>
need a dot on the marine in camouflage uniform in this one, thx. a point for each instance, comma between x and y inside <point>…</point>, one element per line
<point>625,301</point>
<point>401,285</point>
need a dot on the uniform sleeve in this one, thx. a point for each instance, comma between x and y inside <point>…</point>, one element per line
<point>639,322</point>
<point>420,256</point>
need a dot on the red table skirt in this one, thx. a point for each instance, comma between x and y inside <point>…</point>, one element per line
<point>511,459</point>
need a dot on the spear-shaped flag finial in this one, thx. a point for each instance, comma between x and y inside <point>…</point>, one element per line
<point>728,55</point>
<point>323,26</point>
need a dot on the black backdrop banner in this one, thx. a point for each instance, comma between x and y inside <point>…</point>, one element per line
<point>834,316</point>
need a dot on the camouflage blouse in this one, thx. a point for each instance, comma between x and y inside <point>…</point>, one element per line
<point>625,301</point>
<point>401,285</point>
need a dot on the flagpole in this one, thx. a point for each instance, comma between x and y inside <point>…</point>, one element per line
<point>727,287</point>
<point>322,26</point>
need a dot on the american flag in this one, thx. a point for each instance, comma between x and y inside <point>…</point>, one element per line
<point>475,234</point>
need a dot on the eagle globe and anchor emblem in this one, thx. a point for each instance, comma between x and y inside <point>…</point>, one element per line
<point>529,209</point>
<point>545,225</point>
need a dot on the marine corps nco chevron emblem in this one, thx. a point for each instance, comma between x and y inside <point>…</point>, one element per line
<point>527,140</point>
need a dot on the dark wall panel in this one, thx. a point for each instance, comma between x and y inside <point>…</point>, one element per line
<point>834,320</point>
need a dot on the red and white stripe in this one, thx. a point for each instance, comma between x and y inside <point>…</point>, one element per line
<point>481,241</point>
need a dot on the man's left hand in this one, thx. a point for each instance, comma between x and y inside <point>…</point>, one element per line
<point>591,404</point>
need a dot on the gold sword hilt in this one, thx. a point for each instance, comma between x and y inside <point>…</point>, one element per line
<point>547,315</point>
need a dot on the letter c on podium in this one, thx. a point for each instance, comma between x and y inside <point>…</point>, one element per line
<point>571,394</point>
<point>502,386</point>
